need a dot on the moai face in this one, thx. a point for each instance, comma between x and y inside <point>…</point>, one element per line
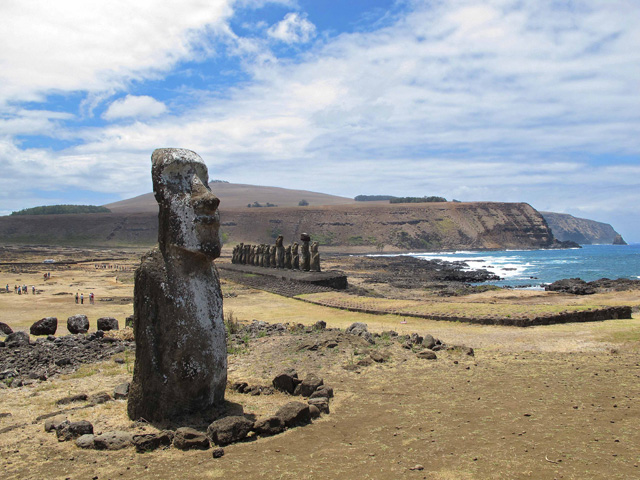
<point>189,217</point>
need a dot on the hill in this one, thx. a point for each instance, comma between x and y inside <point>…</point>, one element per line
<point>581,230</point>
<point>237,195</point>
<point>429,226</point>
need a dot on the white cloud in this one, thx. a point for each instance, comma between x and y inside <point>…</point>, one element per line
<point>133,106</point>
<point>294,28</point>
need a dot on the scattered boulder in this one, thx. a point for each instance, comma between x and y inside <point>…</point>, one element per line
<point>229,430</point>
<point>98,398</point>
<point>107,323</point>
<point>5,329</point>
<point>294,414</point>
<point>308,385</point>
<point>269,425</point>
<point>86,441</point>
<point>322,403</point>
<point>152,441</point>
<point>428,341</point>
<point>45,326</point>
<point>187,438</point>
<point>116,440</point>
<point>217,452</point>
<point>121,391</point>
<point>380,357</point>
<point>78,324</point>
<point>323,391</point>
<point>361,330</point>
<point>286,381</point>
<point>17,339</point>
<point>54,422</point>
<point>128,322</point>
<point>320,325</point>
<point>69,430</point>
<point>427,355</point>
<point>80,397</point>
<point>314,411</point>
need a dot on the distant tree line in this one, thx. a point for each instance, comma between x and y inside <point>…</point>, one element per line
<point>394,199</point>
<point>59,209</point>
<point>417,199</point>
<point>259,205</point>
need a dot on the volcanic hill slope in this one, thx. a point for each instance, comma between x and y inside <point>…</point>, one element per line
<point>336,222</point>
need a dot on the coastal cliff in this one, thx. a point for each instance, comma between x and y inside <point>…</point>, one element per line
<point>450,226</point>
<point>581,230</point>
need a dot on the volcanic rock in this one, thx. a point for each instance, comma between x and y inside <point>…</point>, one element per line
<point>45,326</point>
<point>107,323</point>
<point>78,324</point>
<point>229,430</point>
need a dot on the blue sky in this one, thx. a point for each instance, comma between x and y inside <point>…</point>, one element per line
<point>500,100</point>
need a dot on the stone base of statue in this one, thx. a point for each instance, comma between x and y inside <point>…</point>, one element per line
<point>331,278</point>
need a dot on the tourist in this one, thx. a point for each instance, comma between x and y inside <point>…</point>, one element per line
<point>82,299</point>
<point>91,298</point>
<point>76,298</point>
<point>7,288</point>
<point>33,289</point>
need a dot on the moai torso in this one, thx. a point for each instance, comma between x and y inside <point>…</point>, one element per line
<point>315,258</point>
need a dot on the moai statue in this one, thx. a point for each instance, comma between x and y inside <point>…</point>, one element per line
<point>267,256</point>
<point>255,256</point>
<point>315,258</point>
<point>304,254</point>
<point>279,252</point>
<point>247,252</point>
<point>274,257</point>
<point>233,254</point>
<point>241,253</point>
<point>295,258</point>
<point>258,259</point>
<point>181,355</point>
<point>252,255</point>
<point>287,257</point>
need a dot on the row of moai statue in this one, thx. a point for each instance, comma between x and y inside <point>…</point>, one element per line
<point>303,257</point>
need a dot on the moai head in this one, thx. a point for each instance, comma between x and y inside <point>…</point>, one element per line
<point>305,237</point>
<point>188,217</point>
<point>314,247</point>
<point>294,248</point>
<point>279,241</point>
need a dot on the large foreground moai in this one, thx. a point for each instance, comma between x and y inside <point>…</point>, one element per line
<point>181,357</point>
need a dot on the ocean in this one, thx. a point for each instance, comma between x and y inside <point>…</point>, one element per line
<point>536,268</point>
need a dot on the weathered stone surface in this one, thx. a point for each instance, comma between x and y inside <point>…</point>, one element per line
<point>314,264</point>
<point>187,438</point>
<point>314,411</point>
<point>279,252</point>
<point>17,339</point>
<point>121,391</point>
<point>308,385</point>
<point>427,355</point>
<point>5,329</point>
<point>286,381</point>
<point>107,323</point>
<point>305,260</point>
<point>78,324</point>
<point>45,326</point>
<point>269,425</point>
<point>69,430</point>
<point>152,441</point>
<point>322,403</point>
<point>181,361</point>
<point>380,357</point>
<point>229,430</point>
<point>294,414</point>
<point>86,441</point>
<point>361,330</point>
<point>116,440</point>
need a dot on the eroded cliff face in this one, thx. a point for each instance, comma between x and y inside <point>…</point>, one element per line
<point>581,230</point>
<point>433,226</point>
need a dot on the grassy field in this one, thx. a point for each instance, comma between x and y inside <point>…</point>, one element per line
<point>560,401</point>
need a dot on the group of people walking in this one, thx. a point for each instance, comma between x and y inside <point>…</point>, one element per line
<point>80,298</point>
<point>22,289</point>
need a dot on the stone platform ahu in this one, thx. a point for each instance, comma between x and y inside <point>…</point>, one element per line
<point>181,357</point>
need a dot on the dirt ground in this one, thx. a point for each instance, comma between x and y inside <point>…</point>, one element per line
<point>545,402</point>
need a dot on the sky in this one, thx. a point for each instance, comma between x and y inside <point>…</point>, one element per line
<point>498,100</point>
